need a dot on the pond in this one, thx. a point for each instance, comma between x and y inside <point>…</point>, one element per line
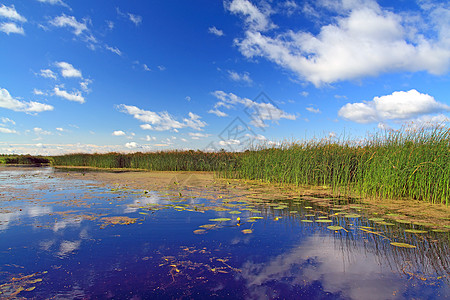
<point>69,238</point>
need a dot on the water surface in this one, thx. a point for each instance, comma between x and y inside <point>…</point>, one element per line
<point>70,238</point>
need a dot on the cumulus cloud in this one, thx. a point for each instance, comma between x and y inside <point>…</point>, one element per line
<point>132,145</point>
<point>244,77</point>
<point>259,111</point>
<point>118,133</point>
<point>69,21</point>
<point>7,130</point>
<point>76,96</point>
<point>161,121</point>
<point>313,110</point>
<point>198,135</point>
<point>47,73</point>
<point>215,31</point>
<point>40,131</point>
<point>8,102</point>
<point>11,28</point>
<point>362,40</point>
<point>11,13</point>
<point>255,18</point>
<point>397,106</point>
<point>67,70</point>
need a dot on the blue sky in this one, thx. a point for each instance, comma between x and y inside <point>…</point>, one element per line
<point>111,75</point>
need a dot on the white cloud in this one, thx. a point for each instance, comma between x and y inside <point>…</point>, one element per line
<point>187,98</point>
<point>67,70</point>
<point>149,138</point>
<point>146,68</point>
<point>118,133</point>
<point>11,13</point>
<point>229,142</point>
<point>76,96</point>
<point>54,2</point>
<point>132,145</point>
<point>198,135</point>
<point>215,31</point>
<point>114,50</point>
<point>217,112</point>
<point>110,25</point>
<point>245,77</point>
<point>7,130</point>
<point>7,120</point>
<point>137,20</point>
<point>85,85</point>
<point>11,28</point>
<point>47,73</point>
<point>60,129</point>
<point>38,92</point>
<point>161,68</point>
<point>40,131</point>
<point>161,121</point>
<point>362,40</point>
<point>8,102</point>
<point>260,111</point>
<point>397,106</point>
<point>255,19</point>
<point>69,21</point>
<point>313,110</point>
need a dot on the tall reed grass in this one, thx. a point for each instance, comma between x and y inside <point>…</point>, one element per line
<point>408,163</point>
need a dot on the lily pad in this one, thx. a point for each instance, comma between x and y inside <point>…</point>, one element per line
<point>220,220</point>
<point>247,231</point>
<point>376,219</point>
<point>307,221</point>
<point>415,231</point>
<point>402,245</point>
<point>324,221</point>
<point>293,212</point>
<point>308,207</point>
<point>335,227</point>
<point>402,221</point>
<point>423,224</point>
<point>208,226</point>
<point>234,212</point>
<point>440,230</point>
<point>309,215</point>
<point>256,218</point>
<point>352,216</point>
<point>200,231</point>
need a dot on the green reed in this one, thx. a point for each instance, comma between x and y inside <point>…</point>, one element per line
<point>408,163</point>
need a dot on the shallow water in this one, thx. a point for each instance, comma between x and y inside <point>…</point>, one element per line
<point>65,238</point>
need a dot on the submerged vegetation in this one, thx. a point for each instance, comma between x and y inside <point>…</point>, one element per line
<point>408,163</point>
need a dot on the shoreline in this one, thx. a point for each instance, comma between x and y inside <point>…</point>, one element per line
<point>416,211</point>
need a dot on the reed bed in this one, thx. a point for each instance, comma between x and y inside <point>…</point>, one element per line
<point>408,163</point>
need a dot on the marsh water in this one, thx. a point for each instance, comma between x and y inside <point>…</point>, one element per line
<point>66,238</point>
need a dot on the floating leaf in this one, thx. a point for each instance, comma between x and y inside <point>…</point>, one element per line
<point>352,216</point>
<point>402,245</point>
<point>307,221</point>
<point>220,220</point>
<point>323,217</point>
<point>440,230</point>
<point>256,218</point>
<point>423,224</point>
<point>324,221</point>
<point>335,227</point>
<point>30,289</point>
<point>402,221</point>
<point>309,215</point>
<point>293,212</point>
<point>234,212</point>
<point>393,215</point>
<point>308,207</point>
<point>415,231</point>
<point>208,226</point>
<point>376,219</point>
<point>247,231</point>
<point>280,207</point>
<point>200,231</point>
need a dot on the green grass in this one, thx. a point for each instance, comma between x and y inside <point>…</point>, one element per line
<point>413,164</point>
<point>23,159</point>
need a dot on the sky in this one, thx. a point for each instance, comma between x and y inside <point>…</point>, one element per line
<point>127,76</point>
